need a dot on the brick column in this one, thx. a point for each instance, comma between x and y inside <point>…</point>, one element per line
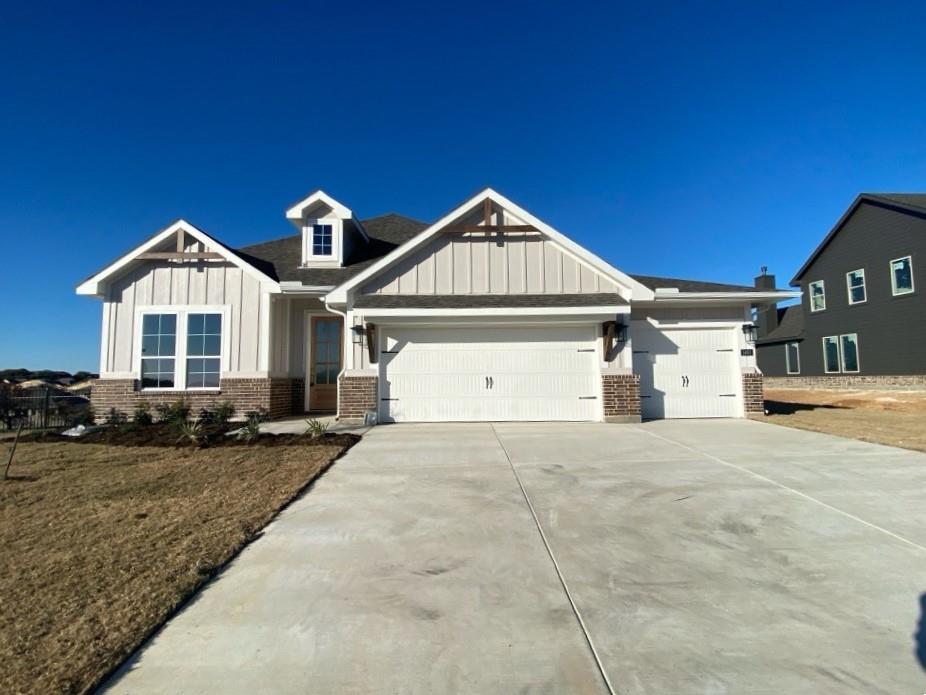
<point>356,395</point>
<point>753,396</point>
<point>620,395</point>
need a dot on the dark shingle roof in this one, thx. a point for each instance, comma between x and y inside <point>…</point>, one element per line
<point>283,256</point>
<point>692,285</point>
<point>917,200</point>
<point>790,325</point>
<point>484,301</point>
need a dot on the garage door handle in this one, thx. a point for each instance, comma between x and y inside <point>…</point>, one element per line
<point>491,382</point>
<point>487,382</point>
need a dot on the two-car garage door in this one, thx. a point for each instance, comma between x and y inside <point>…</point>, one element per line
<point>488,373</point>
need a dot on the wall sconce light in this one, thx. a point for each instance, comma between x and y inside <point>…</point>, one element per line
<point>615,333</point>
<point>751,333</point>
<point>357,334</point>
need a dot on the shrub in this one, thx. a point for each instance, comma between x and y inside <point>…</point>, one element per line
<point>251,429</point>
<point>316,428</point>
<point>142,414</point>
<point>190,431</point>
<point>114,417</point>
<point>224,412</point>
<point>175,413</point>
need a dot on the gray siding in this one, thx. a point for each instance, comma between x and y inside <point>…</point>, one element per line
<point>891,330</point>
<point>772,359</point>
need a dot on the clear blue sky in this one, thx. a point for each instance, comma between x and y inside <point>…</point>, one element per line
<point>684,139</point>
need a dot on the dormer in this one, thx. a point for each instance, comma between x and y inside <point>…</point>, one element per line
<point>330,232</point>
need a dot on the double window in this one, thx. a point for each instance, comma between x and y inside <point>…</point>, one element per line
<point>181,350</point>
<point>855,284</point>
<point>840,354</point>
<point>902,276</point>
<point>793,358</point>
<point>817,296</point>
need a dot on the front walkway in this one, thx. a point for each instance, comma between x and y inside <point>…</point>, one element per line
<point>689,557</point>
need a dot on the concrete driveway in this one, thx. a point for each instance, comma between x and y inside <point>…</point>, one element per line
<point>670,557</point>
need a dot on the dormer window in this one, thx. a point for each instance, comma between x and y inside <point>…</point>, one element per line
<point>321,239</point>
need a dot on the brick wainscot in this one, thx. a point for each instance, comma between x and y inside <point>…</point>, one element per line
<point>620,395</point>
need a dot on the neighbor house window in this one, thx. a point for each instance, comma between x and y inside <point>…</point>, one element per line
<point>902,275</point>
<point>321,239</point>
<point>203,350</point>
<point>855,282</point>
<point>831,354</point>
<point>817,296</point>
<point>792,358</point>
<point>848,352</point>
<point>158,350</point>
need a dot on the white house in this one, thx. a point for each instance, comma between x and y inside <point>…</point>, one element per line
<point>486,314</point>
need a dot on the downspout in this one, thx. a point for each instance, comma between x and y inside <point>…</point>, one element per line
<point>346,346</point>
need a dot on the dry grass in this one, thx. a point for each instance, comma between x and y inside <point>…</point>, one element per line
<point>102,543</point>
<point>896,418</point>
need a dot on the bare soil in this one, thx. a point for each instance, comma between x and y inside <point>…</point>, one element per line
<point>896,418</point>
<point>102,543</point>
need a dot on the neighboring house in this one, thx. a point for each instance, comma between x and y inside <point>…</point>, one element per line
<point>487,314</point>
<point>861,317</point>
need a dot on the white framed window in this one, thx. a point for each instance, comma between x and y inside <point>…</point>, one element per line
<point>855,286</point>
<point>817,295</point>
<point>840,354</point>
<point>793,358</point>
<point>902,276</point>
<point>831,354</point>
<point>848,353</point>
<point>322,237</point>
<point>181,348</point>
<point>321,241</point>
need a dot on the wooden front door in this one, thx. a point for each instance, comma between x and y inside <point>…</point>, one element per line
<point>325,363</point>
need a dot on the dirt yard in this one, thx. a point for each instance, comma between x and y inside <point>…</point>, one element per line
<point>102,543</point>
<point>897,418</point>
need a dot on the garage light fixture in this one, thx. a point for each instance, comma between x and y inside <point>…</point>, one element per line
<point>751,333</point>
<point>357,332</point>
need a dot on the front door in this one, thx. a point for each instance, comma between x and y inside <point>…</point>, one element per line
<point>325,363</point>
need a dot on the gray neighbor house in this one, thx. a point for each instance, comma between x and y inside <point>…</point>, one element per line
<point>860,323</point>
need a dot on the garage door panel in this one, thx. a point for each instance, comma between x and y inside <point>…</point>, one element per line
<point>489,373</point>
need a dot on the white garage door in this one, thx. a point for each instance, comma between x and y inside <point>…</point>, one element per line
<point>686,372</point>
<point>439,374</point>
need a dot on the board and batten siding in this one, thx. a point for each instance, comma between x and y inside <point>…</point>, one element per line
<point>171,284</point>
<point>479,263</point>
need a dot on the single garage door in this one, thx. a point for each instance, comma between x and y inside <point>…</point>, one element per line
<point>439,374</point>
<point>686,372</point>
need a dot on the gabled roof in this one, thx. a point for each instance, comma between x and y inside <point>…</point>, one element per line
<point>913,203</point>
<point>254,266</point>
<point>790,325</point>
<point>693,285</point>
<point>339,294</point>
<point>284,256</point>
<point>467,301</point>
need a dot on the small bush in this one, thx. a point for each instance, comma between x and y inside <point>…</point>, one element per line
<point>251,429</point>
<point>175,413</point>
<point>316,428</point>
<point>115,417</point>
<point>191,432</point>
<point>142,414</point>
<point>218,416</point>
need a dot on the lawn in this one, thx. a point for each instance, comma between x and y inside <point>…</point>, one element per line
<point>896,418</point>
<point>102,543</point>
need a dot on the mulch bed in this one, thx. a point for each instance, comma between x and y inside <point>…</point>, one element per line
<point>102,543</point>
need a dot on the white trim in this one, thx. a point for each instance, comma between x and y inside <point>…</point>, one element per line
<point>842,357</point>
<point>104,338</point>
<point>180,356</point>
<point>810,295</point>
<point>296,211</point>
<point>494,311</point>
<point>309,258</point>
<point>894,292</point>
<point>849,286</point>
<point>838,369</point>
<point>296,287</point>
<point>788,365</point>
<point>263,338</point>
<point>92,286</point>
<point>636,290</point>
<point>663,296</point>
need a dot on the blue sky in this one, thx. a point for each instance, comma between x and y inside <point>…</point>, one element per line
<point>684,139</point>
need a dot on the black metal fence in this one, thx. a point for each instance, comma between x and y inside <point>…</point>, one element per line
<point>41,409</point>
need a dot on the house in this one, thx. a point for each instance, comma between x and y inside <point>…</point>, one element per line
<point>487,314</point>
<point>860,319</point>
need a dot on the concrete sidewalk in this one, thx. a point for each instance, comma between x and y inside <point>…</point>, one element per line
<point>702,557</point>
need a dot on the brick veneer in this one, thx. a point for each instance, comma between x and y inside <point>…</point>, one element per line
<point>621,397</point>
<point>753,397</point>
<point>356,395</point>
<point>914,382</point>
<point>276,395</point>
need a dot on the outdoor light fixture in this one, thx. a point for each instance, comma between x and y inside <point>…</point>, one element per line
<point>358,331</point>
<point>751,333</point>
<point>620,332</point>
<point>614,333</point>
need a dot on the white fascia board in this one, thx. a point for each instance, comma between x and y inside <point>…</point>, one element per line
<point>638,290</point>
<point>296,287</point>
<point>500,311</point>
<point>319,196</point>
<point>749,297</point>
<point>92,285</point>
